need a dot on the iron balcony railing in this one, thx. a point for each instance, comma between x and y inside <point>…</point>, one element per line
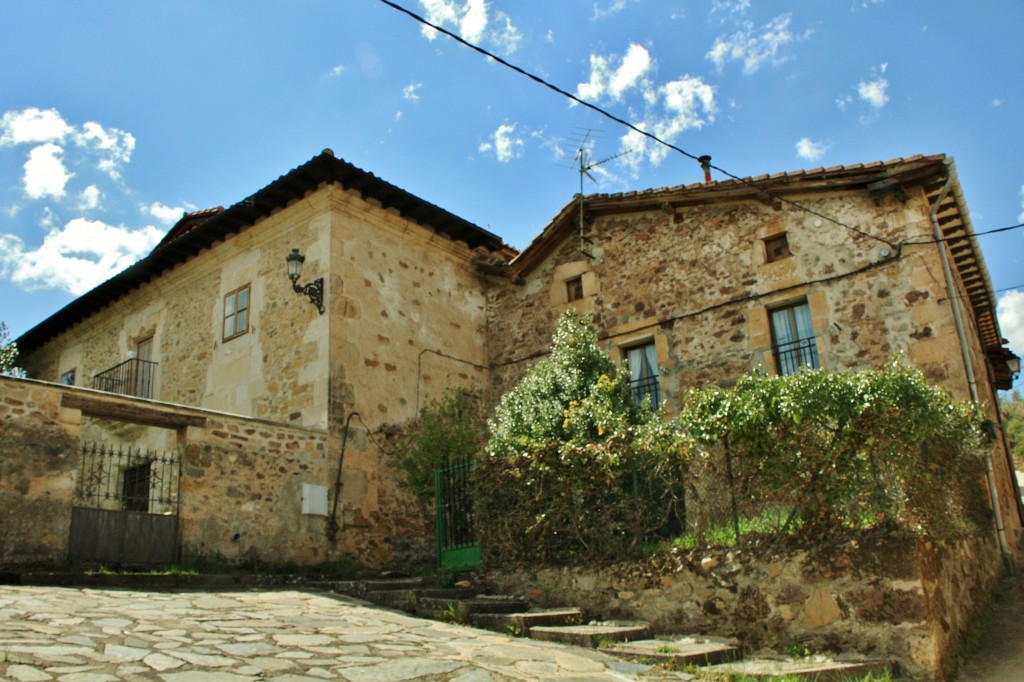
<point>790,357</point>
<point>132,377</point>
<point>647,388</point>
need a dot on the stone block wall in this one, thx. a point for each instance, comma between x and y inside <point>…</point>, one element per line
<point>38,465</point>
<point>908,602</point>
<point>241,484</point>
<point>697,280</point>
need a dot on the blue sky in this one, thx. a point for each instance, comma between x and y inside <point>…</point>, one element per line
<point>116,117</point>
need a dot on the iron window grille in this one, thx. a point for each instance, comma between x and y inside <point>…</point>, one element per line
<point>793,341</point>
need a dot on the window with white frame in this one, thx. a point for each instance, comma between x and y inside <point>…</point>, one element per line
<point>793,342</point>
<point>643,373</point>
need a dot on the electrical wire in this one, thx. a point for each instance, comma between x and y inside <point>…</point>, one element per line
<point>593,107</point>
<point>996,230</point>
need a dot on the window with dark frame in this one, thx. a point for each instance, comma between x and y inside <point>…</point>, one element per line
<point>574,288</point>
<point>793,342</point>
<point>68,378</point>
<point>236,313</point>
<point>643,373</point>
<point>776,248</point>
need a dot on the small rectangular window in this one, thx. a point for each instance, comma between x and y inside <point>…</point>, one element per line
<point>793,339</point>
<point>574,289</point>
<point>68,378</point>
<point>643,373</point>
<point>776,248</point>
<point>236,313</point>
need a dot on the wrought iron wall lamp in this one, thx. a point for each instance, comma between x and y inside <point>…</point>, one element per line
<point>315,289</point>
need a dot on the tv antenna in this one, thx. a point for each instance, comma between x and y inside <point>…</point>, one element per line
<point>585,164</point>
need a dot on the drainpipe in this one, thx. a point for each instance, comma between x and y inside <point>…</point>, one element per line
<point>337,481</point>
<point>964,347</point>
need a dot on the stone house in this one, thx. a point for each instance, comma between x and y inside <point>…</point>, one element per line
<point>839,268</point>
<point>836,268</point>
<point>211,319</point>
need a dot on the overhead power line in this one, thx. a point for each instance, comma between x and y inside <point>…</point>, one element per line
<point>996,230</point>
<point>703,160</point>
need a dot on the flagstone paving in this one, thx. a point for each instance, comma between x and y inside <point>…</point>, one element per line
<point>92,635</point>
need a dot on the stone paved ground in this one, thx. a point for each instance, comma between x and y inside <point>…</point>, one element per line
<point>89,635</point>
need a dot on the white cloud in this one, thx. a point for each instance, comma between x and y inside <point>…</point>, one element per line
<point>469,18</point>
<point>410,93</point>
<point>1011,319</point>
<point>90,197</point>
<point>615,81</point>
<point>874,92</point>
<point>507,37</point>
<point>168,215</point>
<point>114,146</point>
<point>730,7</point>
<point>336,71</point>
<point>45,175</point>
<point>504,143</point>
<point>996,102</point>
<point>754,47</point>
<point>32,126</point>
<point>614,8</point>
<point>672,109</point>
<point>1020,217</point>
<point>808,149</point>
<point>76,258</point>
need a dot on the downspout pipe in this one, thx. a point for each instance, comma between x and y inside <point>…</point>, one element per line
<point>965,354</point>
<point>337,480</point>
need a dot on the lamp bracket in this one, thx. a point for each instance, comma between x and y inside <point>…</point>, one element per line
<point>315,291</point>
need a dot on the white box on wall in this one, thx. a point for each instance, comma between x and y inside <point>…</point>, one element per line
<point>314,499</point>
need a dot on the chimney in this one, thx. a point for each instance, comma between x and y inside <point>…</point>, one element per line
<point>705,163</point>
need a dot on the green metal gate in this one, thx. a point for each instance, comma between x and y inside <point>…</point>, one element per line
<point>458,545</point>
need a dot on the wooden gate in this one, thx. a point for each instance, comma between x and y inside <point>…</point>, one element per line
<point>126,507</point>
<point>458,545</point>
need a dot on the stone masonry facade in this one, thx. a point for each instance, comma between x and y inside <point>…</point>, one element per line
<point>262,393</point>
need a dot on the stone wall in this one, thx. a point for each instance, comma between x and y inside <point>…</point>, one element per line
<point>697,283</point>
<point>38,465</point>
<point>909,602</point>
<point>241,484</point>
<point>276,370</point>
<point>698,279</point>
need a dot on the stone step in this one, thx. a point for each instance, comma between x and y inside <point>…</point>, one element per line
<point>678,652</point>
<point>359,588</point>
<point>593,634</point>
<point>461,609</point>
<point>520,624</point>
<point>815,668</point>
<point>402,600</point>
<point>448,593</point>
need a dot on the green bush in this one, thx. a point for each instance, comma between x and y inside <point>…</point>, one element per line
<point>577,470</point>
<point>447,430</point>
<point>844,450</point>
<point>8,353</point>
<point>575,466</point>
